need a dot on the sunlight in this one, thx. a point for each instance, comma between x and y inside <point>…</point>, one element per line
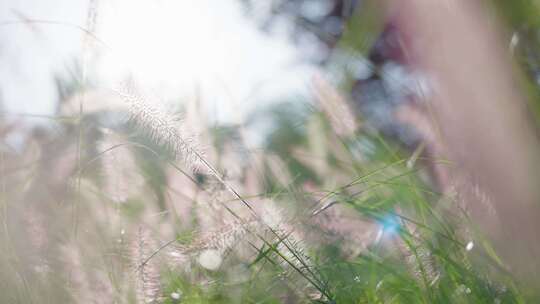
<point>201,45</point>
<point>182,49</point>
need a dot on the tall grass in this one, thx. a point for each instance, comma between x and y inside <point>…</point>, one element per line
<point>357,221</point>
<point>328,212</point>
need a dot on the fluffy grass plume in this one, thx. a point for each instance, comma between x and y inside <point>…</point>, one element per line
<point>165,129</point>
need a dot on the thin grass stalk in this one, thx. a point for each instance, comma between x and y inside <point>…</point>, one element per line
<point>164,133</point>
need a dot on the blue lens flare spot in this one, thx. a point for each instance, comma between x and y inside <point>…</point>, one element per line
<point>390,224</point>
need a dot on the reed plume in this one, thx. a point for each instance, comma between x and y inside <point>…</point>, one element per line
<point>164,129</point>
<point>148,288</point>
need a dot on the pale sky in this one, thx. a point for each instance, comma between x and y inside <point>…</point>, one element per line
<point>172,47</point>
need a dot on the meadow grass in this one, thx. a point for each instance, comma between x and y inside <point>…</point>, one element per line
<point>328,212</point>
<point>283,241</point>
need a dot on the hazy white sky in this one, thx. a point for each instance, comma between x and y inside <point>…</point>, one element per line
<point>29,55</point>
<point>172,47</point>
